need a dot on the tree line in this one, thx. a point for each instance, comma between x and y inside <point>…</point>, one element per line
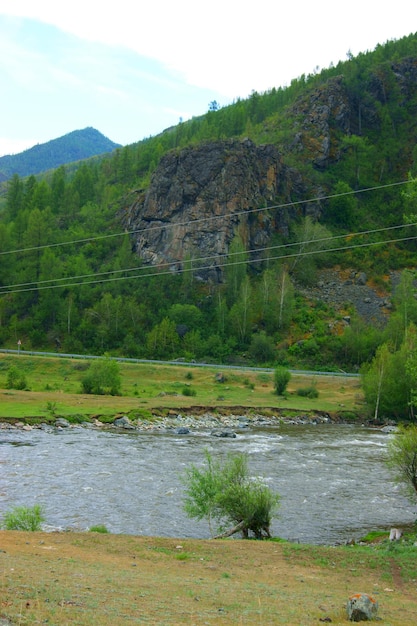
<point>63,225</point>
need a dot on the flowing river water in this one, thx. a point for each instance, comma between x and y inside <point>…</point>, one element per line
<point>333,481</point>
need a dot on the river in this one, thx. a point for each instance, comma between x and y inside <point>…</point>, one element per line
<point>333,481</point>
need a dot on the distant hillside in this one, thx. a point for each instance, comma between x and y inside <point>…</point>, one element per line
<point>276,230</point>
<point>75,146</point>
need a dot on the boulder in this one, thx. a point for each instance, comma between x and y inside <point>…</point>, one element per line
<point>361,278</point>
<point>389,429</point>
<point>61,422</point>
<point>395,534</point>
<point>183,430</point>
<point>123,422</point>
<point>226,432</point>
<point>361,607</point>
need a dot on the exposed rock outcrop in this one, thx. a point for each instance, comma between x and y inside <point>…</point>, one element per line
<point>318,116</point>
<point>200,197</point>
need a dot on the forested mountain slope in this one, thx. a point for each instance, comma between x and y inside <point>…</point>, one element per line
<point>75,146</point>
<point>209,241</point>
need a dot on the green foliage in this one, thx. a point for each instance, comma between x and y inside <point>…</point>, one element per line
<point>225,493</point>
<point>163,341</point>
<point>189,391</point>
<point>342,207</point>
<point>170,316</point>
<point>16,378</point>
<point>359,342</point>
<point>235,269</point>
<point>308,392</point>
<point>282,377</point>
<point>402,456</point>
<point>102,377</point>
<point>262,348</point>
<point>77,145</point>
<point>389,381</point>
<point>99,528</point>
<point>311,240</point>
<point>51,407</point>
<point>24,518</point>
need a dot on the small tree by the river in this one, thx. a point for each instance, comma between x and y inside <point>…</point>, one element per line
<point>402,456</point>
<point>224,493</point>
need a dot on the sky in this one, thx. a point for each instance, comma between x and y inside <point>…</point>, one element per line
<point>131,69</point>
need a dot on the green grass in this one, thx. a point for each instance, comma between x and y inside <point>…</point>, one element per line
<point>99,528</point>
<point>55,390</point>
<point>379,553</point>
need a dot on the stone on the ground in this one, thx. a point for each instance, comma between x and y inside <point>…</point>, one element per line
<point>395,534</point>
<point>361,607</point>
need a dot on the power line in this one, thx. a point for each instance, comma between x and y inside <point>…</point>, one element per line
<point>63,282</point>
<point>204,219</point>
<point>217,258</point>
<point>183,270</point>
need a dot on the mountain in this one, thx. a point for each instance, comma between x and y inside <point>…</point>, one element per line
<point>74,146</point>
<point>335,152</point>
<point>278,229</point>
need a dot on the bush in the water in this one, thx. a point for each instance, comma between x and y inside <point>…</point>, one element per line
<point>24,518</point>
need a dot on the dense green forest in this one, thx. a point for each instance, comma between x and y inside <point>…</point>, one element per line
<point>75,146</point>
<point>70,281</point>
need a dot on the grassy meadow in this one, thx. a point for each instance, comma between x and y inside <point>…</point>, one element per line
<point>54,388</point>
<point>91,578</point>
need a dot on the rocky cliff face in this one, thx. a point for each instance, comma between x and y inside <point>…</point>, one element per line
<point>317,117</point>
<point>200,197</point>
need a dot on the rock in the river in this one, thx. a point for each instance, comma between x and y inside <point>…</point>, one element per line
<point>61,422</point>
<point>183,430</point>
<point>123,422</point>
<point>226,432</point>
<point>389,429</point>
<point>361,607</point>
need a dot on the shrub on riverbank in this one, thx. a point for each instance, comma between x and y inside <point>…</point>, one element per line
<point>225,493</point>
<point>308,392</point>
<point>24,518</point>
<point>282,377</point>
<point>102,377</point>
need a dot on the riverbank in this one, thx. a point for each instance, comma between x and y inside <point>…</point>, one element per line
<point>91,578</point>
<point>220,421</point>
<point>54,389</point>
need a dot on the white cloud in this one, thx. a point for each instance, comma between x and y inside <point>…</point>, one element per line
<point>9,145</point>
<point>132,69</point>
<point>224,45</point>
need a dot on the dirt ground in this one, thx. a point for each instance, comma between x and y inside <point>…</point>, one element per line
<point>102,579</point>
